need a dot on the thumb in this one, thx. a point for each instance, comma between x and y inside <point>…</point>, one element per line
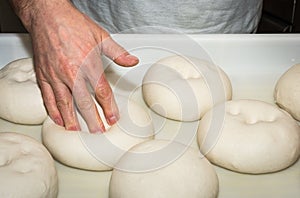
<point>117,53</point>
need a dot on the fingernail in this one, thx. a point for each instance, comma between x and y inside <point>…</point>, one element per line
<point>99,131</point>
<point>112,120</point>
<point>131,56</point>
<point>58,122</point>
<point>134,59</point>
<point>73,128</point>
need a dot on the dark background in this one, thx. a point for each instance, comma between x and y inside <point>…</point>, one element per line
<point>279,16</point>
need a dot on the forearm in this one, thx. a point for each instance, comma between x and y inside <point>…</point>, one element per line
<point>32,11</point>
<point>21,8</point>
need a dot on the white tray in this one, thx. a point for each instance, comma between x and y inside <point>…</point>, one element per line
<point>253,62</point>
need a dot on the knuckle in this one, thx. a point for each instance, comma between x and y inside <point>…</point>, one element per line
<point>103,92</point>
<point>63,103</point>
<point>85,104</point>
<point>49,101</point>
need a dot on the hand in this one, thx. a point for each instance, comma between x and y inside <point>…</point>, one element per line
<point>67,47</point>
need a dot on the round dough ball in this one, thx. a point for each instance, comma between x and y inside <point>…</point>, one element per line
<point>188,175</point>
<point>21,99</point>
<point>287,91</point>
<point>256,137</point>
<point>183,88</point>
<point>98,151</point>
<point>26,168</point>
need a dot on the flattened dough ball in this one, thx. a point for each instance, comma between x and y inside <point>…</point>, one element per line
<point>256,137</point>
<point>188,175</point>
<point>98,151</point>
<point>184,88</point>
<point>287,91</point>
<point>26,168</point>
<point>21,99</point>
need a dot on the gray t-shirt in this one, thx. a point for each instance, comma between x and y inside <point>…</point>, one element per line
<point>167,16</point>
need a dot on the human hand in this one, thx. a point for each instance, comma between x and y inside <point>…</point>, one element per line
<point>67,47</point>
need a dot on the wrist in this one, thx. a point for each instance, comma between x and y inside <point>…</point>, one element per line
<point>34,12</point>
<point>21,9</point>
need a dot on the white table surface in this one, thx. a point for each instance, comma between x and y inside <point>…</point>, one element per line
<point>253,63</point>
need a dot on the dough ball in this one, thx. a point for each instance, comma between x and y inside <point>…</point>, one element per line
<point>26,168</point>
<point>184,88</point>
<point>21,99</point>
<point>188,175</point>
<point>287,91</point>
<point>255,137</point>
<point>98,151</point>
